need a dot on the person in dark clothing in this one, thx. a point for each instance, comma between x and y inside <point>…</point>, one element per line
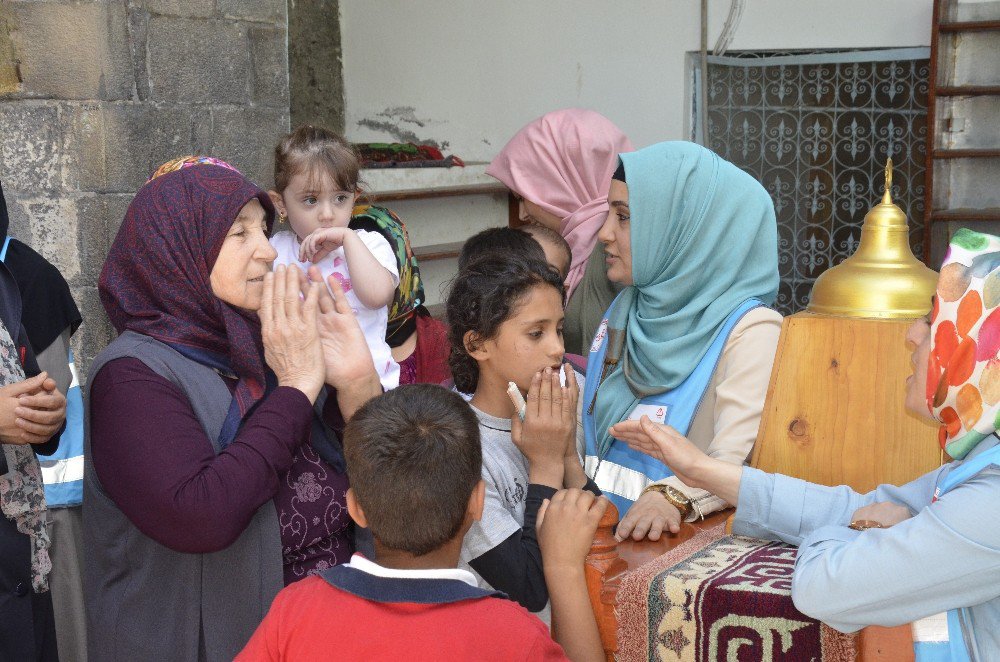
<point>32,415</point>
<point>50,318</point>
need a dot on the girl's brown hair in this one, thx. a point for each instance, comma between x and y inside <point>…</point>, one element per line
<point>308,148</point>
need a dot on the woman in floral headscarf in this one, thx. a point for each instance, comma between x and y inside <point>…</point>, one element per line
<point>213,470</point>
<point>926,550</point>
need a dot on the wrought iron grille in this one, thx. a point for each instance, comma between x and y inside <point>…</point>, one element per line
<point>815,130</point>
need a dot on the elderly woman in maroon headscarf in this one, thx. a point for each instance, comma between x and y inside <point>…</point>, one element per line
<point>560,167</point>
<point>213,470</point>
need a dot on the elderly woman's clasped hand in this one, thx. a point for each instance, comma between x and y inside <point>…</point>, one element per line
<point>290,332</point>
<point>312,337</point>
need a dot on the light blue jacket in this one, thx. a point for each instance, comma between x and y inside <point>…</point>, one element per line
<point>946,556</point>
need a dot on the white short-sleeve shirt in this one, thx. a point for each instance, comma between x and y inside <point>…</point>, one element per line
<point>373,321</point>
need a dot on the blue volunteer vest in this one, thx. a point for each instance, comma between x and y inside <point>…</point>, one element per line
<point>623,473</point>
<point>954,649</point>
<point>62,472</point>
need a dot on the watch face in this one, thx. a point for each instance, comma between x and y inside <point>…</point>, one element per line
<point>677,494</point>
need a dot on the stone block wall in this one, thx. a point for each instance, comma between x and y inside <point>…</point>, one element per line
<point>109,89</point>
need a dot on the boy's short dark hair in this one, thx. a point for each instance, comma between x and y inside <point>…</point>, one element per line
<point>496,240</point>
<point>540,232</point>
<point>413,458</point>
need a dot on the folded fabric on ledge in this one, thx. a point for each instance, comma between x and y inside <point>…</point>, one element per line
<point>403,155</point>
<point>719,597</point>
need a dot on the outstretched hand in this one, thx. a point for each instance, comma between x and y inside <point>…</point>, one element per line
<point>661,442</point>
<point>566,526</point>
<point>686,460</point>
<point>346,356</point>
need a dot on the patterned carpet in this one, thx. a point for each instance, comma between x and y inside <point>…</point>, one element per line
<point>721,598</point>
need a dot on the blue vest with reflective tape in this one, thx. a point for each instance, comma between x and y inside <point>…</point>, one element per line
<point>62,471</point>
<point>624,473</point>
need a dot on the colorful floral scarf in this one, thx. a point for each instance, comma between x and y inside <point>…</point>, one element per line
<point>963,372</point>
<point>410,292</point>
<point>187,162</point>
<point>22,497</point>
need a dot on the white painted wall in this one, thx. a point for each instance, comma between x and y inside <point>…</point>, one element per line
<point>470,73</point>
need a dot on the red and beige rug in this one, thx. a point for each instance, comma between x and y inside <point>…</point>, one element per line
<point>721,598</point>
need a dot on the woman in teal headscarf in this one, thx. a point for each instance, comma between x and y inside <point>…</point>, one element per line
<point>690,342</point>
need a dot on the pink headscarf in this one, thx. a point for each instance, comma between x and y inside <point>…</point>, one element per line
<point>563,162</point>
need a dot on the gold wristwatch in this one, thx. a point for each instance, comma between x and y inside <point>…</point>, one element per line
<point>676,498</point>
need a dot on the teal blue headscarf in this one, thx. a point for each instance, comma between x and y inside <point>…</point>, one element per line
<point>704,240</point>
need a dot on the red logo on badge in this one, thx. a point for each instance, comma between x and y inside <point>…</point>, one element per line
<point>660,412</point>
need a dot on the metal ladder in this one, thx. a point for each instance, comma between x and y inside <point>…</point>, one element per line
<point>962,179</point>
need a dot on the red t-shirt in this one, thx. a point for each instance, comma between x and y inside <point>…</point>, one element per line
<point>313,620</point>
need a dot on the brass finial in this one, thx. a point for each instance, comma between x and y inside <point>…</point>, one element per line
<point>882,279</point>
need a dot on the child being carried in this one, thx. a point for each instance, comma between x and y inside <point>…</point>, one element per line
<point>316,186</point>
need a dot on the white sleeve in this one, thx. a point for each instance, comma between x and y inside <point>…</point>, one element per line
<point>382,251</point>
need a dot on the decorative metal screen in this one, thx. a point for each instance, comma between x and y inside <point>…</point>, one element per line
<point>815,130</point>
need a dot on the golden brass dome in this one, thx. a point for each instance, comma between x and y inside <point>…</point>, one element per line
<point>882,279</point>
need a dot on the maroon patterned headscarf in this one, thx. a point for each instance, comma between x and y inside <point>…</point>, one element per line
<point>156,278</point>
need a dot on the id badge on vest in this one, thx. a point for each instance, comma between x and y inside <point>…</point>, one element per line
<point>656,413</point>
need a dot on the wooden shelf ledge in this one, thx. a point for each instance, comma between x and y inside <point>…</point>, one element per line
<point>969,26</point>
<point>966,153</point>
<point>968,91</point>
<point>965,214</point>
<point>440,192</point>
<point>438,251</point>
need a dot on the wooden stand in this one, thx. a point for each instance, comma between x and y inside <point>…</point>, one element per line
<point>834,411</point>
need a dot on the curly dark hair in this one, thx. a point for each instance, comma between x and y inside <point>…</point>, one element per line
<point>484,295</point>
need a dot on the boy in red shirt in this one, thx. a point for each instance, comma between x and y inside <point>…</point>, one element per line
<point>414,459</point>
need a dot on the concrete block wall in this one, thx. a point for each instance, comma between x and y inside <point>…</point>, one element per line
<point>110,89</point>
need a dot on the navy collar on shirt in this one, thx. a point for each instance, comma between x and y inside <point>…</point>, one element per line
<point>396,589</point>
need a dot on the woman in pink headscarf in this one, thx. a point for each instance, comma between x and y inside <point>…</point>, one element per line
<point>560,168</point>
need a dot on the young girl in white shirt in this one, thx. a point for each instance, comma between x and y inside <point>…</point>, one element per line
<point>315,189</point>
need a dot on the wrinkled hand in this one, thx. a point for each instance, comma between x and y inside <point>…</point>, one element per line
<point>649,516</point>
<point>885,513</point>
<point>322,242</point>
<point>346,356</point>
<point>566,526</point>
<point>663,443</point>
<point>289,330</point>
<point>549,420</point>
<point>31,411</point>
